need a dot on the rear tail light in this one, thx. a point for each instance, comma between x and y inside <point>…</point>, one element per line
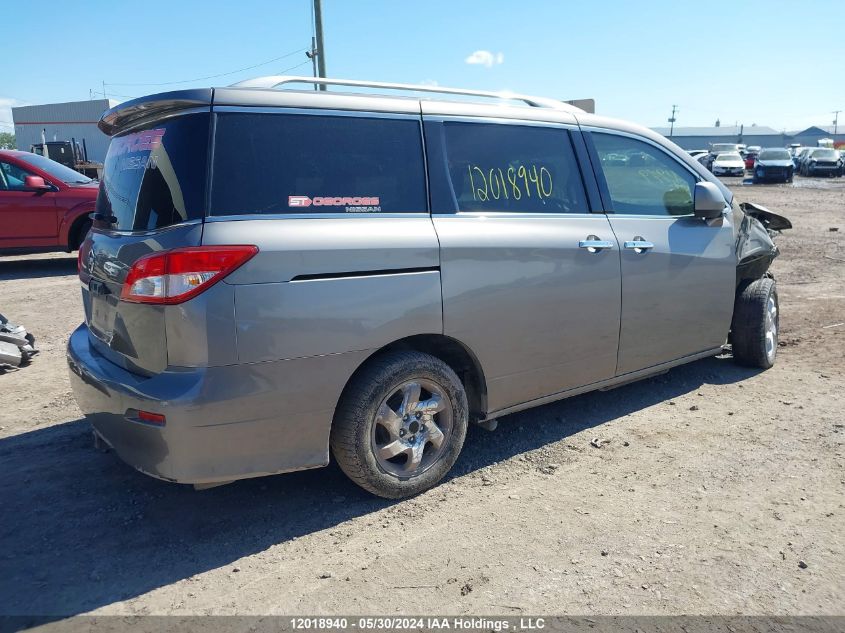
<point>81,260</point>
<point>177,275</point>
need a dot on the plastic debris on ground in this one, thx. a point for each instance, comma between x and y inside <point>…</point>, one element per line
<point>17,346</point>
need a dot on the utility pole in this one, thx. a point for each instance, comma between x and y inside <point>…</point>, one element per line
<point>836,121</point>
<point>321,49</point>
<point>672,121</point>
<point>312,55</point>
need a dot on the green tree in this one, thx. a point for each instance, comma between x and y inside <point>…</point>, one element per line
<point>7,140</point>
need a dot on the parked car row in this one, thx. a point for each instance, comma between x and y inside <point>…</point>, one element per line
<point>771,163</point>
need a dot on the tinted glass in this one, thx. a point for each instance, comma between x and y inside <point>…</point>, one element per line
<point>774,154</point>
<point>288,163</point>
<point>497,167</point>
<point>642,179</point>
<point>825,153</point>
<point>57,170</point>
<point>12,177</point>
<point>155,177</point>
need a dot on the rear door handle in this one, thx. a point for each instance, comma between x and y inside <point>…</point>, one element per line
<point>638,245</point>
<point>593,244</point>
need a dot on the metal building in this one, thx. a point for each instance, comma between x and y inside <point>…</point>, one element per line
<point>63,122</point>
<point>813,134</point>
<point>703,137</point>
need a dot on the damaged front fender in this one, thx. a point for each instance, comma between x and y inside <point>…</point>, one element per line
<point>755,248</point>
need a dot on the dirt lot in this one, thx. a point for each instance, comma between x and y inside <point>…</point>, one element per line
<point>719,485</point>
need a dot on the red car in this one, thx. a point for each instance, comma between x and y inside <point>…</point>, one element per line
<point>44,206</point>
<point>749,159</point>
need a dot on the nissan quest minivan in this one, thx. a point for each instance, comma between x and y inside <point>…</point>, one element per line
<point>275,275</point>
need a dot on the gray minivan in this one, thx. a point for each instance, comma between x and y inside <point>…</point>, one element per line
<point>277,274</point>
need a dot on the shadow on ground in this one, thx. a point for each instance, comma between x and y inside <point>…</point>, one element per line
<point>81,530</point>
<point>37,268</point>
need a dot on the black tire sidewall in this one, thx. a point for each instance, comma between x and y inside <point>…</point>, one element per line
<point>749,323</point>
<point>357,411</point>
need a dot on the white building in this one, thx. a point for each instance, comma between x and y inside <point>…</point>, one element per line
<point>63,122</point>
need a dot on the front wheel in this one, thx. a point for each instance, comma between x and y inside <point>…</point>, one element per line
<point>754,331</point>
<point>400,424</point>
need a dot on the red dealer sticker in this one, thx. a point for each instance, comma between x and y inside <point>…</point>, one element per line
<point>352,203</point>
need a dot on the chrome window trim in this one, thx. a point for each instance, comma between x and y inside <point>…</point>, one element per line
<point>446,118</point>
<point>363,114</point>
<point>240,217</point>
<point>537,215</point>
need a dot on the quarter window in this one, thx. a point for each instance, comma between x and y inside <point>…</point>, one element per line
<point>642,179</point>
<point>512,168</point>
<point>293,163</point>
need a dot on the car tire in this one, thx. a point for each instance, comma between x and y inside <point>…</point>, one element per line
<point>390,418</point>
<point>79,235</point>
<point>754,330</point>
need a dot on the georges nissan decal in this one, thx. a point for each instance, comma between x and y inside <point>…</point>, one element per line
<point>351,204</point>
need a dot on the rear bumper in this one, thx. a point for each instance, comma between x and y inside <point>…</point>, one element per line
<point>222,423</point>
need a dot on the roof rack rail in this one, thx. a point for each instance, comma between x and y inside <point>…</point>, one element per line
<point>272,81</point>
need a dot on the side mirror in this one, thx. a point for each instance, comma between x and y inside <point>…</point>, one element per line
<point>709,201</point>
<point>35,183</point>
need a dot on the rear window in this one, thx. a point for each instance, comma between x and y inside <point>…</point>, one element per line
<point>303,163</point>
<point>774,154</point>
<point>155,177</point>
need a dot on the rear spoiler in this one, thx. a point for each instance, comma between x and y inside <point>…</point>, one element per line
<point>130,113</point>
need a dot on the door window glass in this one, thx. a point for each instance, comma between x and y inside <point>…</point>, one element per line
<point>642,179</point>
<point>13,177</point>
<point>512,168</point>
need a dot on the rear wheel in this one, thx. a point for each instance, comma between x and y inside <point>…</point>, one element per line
<point>754,331</point>
<point>400,424</point>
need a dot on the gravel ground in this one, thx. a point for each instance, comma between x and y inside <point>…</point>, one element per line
<point>720,490</point>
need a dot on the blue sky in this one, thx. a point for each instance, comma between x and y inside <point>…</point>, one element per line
<point>738,61</point>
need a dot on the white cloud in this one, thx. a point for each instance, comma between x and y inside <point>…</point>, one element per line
<point>429,82</point>
<point>487,59</point>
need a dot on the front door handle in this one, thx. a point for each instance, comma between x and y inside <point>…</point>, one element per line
<point>593,244</point>
<point>639,245</point>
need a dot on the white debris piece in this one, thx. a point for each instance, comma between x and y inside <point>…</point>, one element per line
<point>17,347</point>
<point>10,354</point>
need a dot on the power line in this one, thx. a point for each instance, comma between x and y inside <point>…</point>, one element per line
<point>282,72</point>
<point>113,94</point>
<point>232,72</point>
